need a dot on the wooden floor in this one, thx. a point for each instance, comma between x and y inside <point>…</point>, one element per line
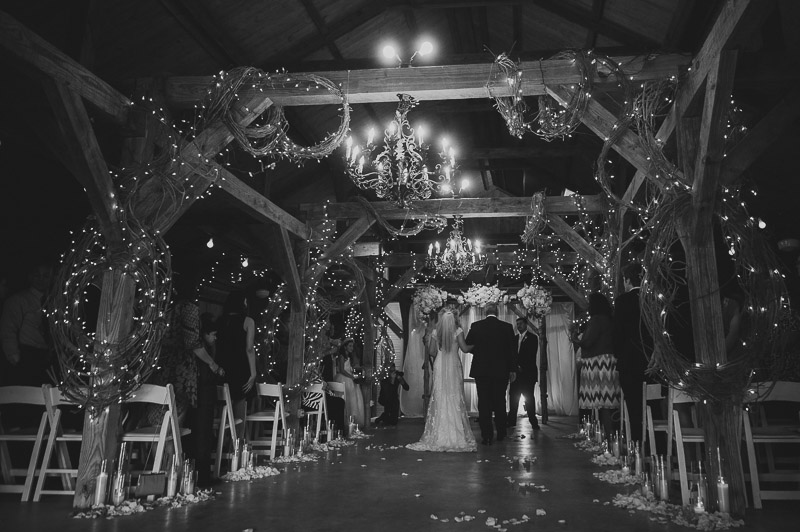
<point>364,488</point>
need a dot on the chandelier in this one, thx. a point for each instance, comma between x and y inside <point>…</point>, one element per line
<point>400,170</point>
<point>459,257</point>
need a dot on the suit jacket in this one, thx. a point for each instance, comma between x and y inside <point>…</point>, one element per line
<point>526,355</point>
<point>494,351</point>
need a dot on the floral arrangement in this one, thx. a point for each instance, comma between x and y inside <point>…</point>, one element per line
<point>481,295</point>
<point>428,299</point>
<point>536,300</point>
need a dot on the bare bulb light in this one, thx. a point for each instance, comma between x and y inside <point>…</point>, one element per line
<point>210,243</point>
<point>762,224</point>
<point>388,52</point>
<point>245,262</point>
<point>425,48</point>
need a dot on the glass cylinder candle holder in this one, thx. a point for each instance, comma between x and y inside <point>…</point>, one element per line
<point>101,485</point>
<point>119,491</point>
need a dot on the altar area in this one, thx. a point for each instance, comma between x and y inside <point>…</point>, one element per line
<point>562,393</point>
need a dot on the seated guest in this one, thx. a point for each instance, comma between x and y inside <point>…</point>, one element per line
<point>389,397</point>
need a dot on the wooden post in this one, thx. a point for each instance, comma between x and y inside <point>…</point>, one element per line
<point>543,367</point>
<point>100,431</point>
<point>294,371</point>
<point>368,358</point>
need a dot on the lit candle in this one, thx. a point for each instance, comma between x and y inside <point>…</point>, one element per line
<point>355,153</point>
<point>361,165</point>
<point>370,136</point>
<point>420,132</point>
<point>723,496</point>
<point>437,247</point>
<point>349,144</point>
<point>452,157</point>
<point>430,250</point>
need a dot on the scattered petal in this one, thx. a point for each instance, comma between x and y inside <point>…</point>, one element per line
<point>540,512</point>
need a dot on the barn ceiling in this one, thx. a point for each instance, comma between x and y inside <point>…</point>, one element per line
<point>124,42</point>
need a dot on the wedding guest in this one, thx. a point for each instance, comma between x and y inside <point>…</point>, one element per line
<point>203,415</point>
<point>236,352</point>
<point>599,386</point>
<point>527,374</point>
<point>389,396</point>
<point>347,369</point>
<point>632,345</point>
<point>24,333</point>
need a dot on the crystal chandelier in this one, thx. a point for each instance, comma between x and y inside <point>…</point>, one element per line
<point>459,257</point>
<point>400,170</point>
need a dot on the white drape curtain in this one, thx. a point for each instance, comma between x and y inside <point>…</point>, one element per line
<point>562,376</point>
<point>411,402</point>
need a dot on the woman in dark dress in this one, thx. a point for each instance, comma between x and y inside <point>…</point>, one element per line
<point>599,386</point>
<point>236,353</point>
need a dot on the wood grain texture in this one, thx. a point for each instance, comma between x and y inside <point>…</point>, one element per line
<point>28,48</point>
<point>577,242</point>
<point>447,82</point>
<point>466,207</point>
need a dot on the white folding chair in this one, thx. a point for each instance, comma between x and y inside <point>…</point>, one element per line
<point>316,416</point>
<point>784,432</point>
<point>653,392</point>
<point>265,440</point>
<point>624,418</point>
<point>57,440</point>
<point>225,424</point>
<point>21,395</point>
<point>683,435</point>
<point>159,434</point>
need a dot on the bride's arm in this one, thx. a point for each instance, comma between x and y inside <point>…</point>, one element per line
<point>464,346</point>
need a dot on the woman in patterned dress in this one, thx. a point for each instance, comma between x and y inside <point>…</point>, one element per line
<point>599,387</point>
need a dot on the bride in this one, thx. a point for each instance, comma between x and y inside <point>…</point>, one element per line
<point>447,424</point>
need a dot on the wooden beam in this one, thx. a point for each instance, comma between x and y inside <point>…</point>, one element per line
<point>602,122</point>
<point>523,152</point>
<point>446,82</point>
<point>353,233</point>
<point>292,276</point>
<point>769,129</point>
<point>25,46</point>
<point>576,242</point>
<point>206,32</point>
<point>564,285</point>
<point>316,18</point>
<point>530,258</point>
<point>402,281</point>
<point>466,207</point>
<point>721,33</point>
<point>608,28</point>
<point>257,205</point>
<point>711,142</point>
<point>87,159</point>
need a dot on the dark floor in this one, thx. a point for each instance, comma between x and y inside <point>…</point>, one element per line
<point>358,488</point>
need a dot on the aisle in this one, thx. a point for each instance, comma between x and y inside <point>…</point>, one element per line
<point>364,487</point>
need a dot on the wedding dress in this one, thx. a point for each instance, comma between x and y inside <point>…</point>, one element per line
<point>411,402</point>
<point>447,425</point>
<point>354,400</point>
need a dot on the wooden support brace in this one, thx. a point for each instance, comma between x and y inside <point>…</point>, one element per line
<point>564,285</point>
<point>576,242</point>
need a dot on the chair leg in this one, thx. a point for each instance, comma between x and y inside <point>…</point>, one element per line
<point>681,461</point>
<point>223,426</point>
<point>48,455</point>
<point>37,447</point>
<point>755,485</point>
<point>651,433</point>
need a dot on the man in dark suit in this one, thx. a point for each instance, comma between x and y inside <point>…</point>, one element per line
<point>527,374</point>
<point>493,364</point>
<point>631,342</point>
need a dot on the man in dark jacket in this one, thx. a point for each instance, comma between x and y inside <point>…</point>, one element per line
<point>527,375</point>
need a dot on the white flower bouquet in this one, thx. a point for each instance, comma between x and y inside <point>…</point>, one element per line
<point>428,299</point>
<point>536,300</point>
<point>480,295</point>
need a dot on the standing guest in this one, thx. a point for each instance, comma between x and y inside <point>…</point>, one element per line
<point>203,416</point>
<point>389,397</point>
<point>182,350</point>
<point>23,331</point>
<point>237,355</point>
<point>494,364</point>
<point>347,368</point>
<point>328,370</point>
<point>527,375</point>
<point>632,345</point>
<point>599,377</point>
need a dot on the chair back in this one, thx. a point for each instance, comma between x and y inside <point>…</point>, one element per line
<point>774,391</point>
<point>318,390</point>
<point>679,396</point>
<point>169,427</point>
<point>21,395</point>
<point>652,392</point>
<point>270,390</point>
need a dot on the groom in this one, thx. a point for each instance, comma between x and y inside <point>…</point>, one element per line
<point>493,363</point>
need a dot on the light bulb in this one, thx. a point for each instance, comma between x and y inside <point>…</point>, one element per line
<point>388,52</point>
<point>425,48</point>
<point>245,262</point>
<point>465,183</point>
<point>210,243</point>
<point>762,224</point>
